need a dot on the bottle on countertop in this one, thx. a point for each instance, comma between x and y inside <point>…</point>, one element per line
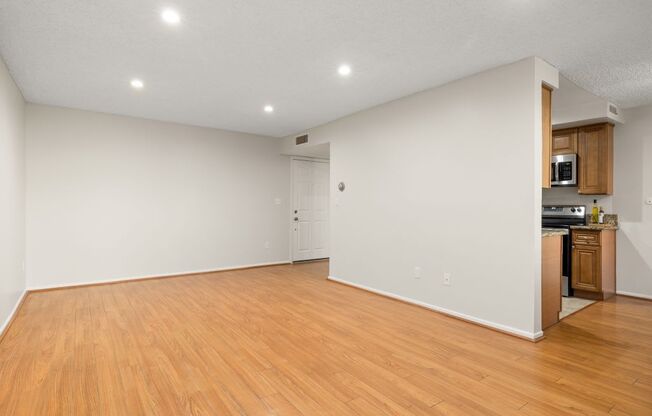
<point>595,212</point>
<point>601,216</point>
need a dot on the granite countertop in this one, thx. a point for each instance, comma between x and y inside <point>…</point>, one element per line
<point>549,232</point>
<point>595,227</point>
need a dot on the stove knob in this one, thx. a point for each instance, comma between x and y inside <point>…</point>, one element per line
<point>572,209</point>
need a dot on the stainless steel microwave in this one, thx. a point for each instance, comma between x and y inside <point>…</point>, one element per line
<point>564,170</point>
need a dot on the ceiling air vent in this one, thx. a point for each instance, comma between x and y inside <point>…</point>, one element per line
<point>302,139</point>
<point>613,109</point>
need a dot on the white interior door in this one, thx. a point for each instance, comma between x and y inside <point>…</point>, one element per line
<point>310,190</point>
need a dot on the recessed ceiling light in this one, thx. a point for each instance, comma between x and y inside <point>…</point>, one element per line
<point>344,70</point>
<point>170,17</point>
<point>268,109</point>
<point>137,84</point>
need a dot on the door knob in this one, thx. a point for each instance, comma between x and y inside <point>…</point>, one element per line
<point>296,218</point>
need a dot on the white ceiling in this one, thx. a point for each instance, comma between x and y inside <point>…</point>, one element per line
<point>228,58</point>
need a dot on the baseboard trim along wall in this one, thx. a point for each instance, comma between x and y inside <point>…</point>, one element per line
<point>10,319</point>
<point>151,277</point>
<point>634,295</point>
<point>533,337</point>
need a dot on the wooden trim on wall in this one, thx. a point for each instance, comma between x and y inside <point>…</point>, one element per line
<point>449,313</point>
<point>633,295</point>
<point>167,276</point>
<point>14,314</point>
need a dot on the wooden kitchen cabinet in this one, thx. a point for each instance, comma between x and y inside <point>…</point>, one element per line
<point>586,268</point>
<point>564,142</point>
<point>594,147</point>
<point>595,159</point>
<point>551,278</point>
<point>593,272</point>
<point>546,111</point>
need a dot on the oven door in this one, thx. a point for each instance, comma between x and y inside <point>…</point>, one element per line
<point>564,170</point>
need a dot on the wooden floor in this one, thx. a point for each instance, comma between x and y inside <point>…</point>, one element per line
<point>284,341</point>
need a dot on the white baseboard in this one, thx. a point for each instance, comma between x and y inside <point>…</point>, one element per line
<point>5,324</point>
<point>531,336</point>
<point>132,278</point>
<point>633,295</point>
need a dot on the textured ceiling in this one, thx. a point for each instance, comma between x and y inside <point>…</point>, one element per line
<point>230,57</point>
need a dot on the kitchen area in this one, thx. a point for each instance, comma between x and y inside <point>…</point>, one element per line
<point>578,225</point>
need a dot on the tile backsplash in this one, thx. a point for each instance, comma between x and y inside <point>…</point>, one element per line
<point>568,196</point>
<point>611,219</point>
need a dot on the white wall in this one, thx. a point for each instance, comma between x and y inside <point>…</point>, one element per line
<point>319,151</point>
<point>12,195</point>
<point>632,185</point>
<point>424,187</point>
<point>575,106</point>
<point>111,197</point>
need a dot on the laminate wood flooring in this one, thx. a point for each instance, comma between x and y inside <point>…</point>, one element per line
<point>283,340</point>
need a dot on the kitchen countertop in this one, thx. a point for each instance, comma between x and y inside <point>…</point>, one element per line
<point>595,227</point>
<point>549,232</point>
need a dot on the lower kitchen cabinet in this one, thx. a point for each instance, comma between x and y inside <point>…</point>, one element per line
<point>551,271</point>
<point>594,263</point>
<point>586,268</point>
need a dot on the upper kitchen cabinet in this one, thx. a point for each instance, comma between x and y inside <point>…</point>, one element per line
<point>593,145</point>
<point>546,111</point>
<point>595,159</point>
<point>564,142</point>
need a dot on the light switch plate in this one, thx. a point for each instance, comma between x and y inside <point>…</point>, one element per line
<point>417,272</point>
<point>447,279</point>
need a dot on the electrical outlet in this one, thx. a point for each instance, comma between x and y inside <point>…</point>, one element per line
<point>417,272</point>
<point>648,201</point>
<point>447,279</point>
<point>277,201</point>
<point>266,244</point>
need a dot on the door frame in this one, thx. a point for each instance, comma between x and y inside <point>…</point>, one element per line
<point>291,210</point>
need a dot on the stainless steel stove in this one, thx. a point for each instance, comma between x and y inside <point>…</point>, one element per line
<point>564,216</point>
